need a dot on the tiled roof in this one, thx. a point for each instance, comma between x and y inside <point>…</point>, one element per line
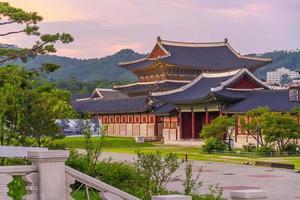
<point>164,109</point>
<point>195,92</point>
<point>275,100</point>
<point>80,96</point>
<point>123,105</point>
<point>111,94</point>
<point>211,58</point>
<point>206,86</point>
<point>208,56</point>
<point>150,86</point>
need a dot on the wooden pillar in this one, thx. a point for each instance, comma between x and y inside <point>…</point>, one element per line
<point>206,116</point>
<point>180,124</point>
<point>193,123</point>
<point>236,128</point>
<point>220,110</point>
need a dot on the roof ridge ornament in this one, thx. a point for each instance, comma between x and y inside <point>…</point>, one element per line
<point>158,39</point>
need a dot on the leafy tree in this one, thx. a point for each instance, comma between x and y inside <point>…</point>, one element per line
<point>280,128</point>
<point>285,79</point>
<point>255,126</point>
<point>28,111</point>
<point>28,23</point>
<point>268,127</point>
<point>221,128</point>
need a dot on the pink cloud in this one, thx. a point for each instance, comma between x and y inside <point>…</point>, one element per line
<point>103,27</point>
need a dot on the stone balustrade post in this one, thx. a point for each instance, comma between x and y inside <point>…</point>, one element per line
<point>172,197</point>
<point>4,181</point>
<point>253,194</point>
<point>51,173</point>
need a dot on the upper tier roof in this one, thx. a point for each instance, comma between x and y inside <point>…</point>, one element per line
<point>205,56</point>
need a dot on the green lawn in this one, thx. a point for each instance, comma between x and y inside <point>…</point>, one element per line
<point>128,145</point>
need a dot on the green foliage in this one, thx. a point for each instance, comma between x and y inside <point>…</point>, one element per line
<point>292,148</point>
<point>219,128</point>
<point>100,72</point>
<point>156,171</point>
<point>267,150</point>
<point>280,128</point>
<point>222,129</point>
<point>290,60</point>
<point>213,144</point>
<point>249,147</point>
<point>271,127</point>
<point>28,112</point>
<point>118,174</point>
<point>191,184</point>
<point>109,142</point>
<point>254,126</point>
<point>17,188</point>
<point>28,21</point>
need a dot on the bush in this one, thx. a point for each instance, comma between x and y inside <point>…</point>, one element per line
<point>265,150</point>
<point>213,144</point>
<point>249,147</point>
<point>121,175</point>
<point>291,148</point>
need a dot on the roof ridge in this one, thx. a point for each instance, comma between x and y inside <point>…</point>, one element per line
<point>133,61</point>
<point>152,82</point>
<point>233,78</point>
<point>202,75</point>
<point>192,44</point>
<point>107,89</point>
<point>246,57</point>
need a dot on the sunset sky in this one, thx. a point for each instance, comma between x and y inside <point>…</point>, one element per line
<point>103,27</point>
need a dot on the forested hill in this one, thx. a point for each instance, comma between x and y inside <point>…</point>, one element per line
<point>288,59</point>
<point>89,70</point>
<point>106,68</point>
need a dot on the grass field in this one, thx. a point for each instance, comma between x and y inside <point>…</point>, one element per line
<point>128,145</point>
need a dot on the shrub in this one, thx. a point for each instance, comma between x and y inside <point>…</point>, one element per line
<point>249,147</point>
<point>265,150</point>
<point>121,175</point>
<point>291,148</point>
<point>156,171</point>
<point>213,144</point>
<point>191,184</point>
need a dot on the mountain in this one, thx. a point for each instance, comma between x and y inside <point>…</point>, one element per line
<point>287,59</point>
<point>106,68</point>
<point>88,70</point>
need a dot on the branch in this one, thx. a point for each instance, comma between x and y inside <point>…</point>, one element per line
<point>23,53</point>
<point>9,22</point>
<point>12,32</point>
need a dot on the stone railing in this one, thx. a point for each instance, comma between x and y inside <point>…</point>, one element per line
<point>29,174</point>
<point>49,179</point>
<point>106,191</point>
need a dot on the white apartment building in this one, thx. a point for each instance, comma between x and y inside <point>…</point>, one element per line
<point>274,77</point>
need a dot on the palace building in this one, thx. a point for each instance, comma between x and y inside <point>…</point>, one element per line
<point>182,87</point>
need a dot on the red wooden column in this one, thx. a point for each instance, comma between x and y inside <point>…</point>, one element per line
<point>193,123</point>
<point>206,116</point>
<point>220,110</point>
<point>179,136</point>
<point>236,128</point>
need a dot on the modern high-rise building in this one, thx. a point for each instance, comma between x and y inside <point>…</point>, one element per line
<point>276,77</point>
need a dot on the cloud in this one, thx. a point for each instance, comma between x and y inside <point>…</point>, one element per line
<point>103,27</point>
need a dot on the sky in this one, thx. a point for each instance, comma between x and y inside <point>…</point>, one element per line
<point>103,27</point>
